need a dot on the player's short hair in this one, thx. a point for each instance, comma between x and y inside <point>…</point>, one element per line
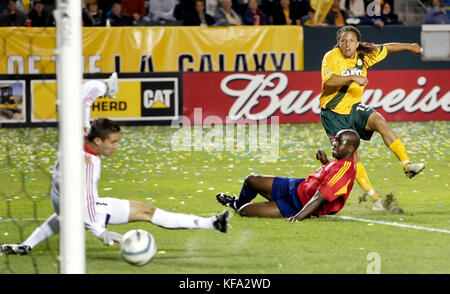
<point>102,128</point>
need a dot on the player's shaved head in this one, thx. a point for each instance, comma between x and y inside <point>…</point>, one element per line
<point>346,143</point>
<point>351,137</point>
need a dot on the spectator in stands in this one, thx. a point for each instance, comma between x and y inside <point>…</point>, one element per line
<point>388,16</point>
<point>382,18</point>
<point>162,10</point>
<point>134,9</point>
<point>285,14</point>
<point>336,16</point>
<point>12,17</point>
<point>354,8</point>
<point>254,15</point>
<point>183,9</point>
<point>308,20</point>
<point>92,15</point>
<point>226,16</point>
<point>38,16</point>
<point>117,18</point>
<point>436,14</point>
<point>198,17</point>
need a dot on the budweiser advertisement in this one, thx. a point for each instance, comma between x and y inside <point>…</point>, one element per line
<point>403,95</point>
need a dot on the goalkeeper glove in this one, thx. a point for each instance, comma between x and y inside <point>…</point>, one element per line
<point>108,238</point>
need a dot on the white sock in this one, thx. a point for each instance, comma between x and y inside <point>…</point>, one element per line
<point>170,220</point>
<point>49,228</point>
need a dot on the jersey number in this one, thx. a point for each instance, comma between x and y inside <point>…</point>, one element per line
<point>362,107</point>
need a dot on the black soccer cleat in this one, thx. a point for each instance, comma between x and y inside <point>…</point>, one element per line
<point>222,221</point>
<point>227,200</point>
<point>18,249</point>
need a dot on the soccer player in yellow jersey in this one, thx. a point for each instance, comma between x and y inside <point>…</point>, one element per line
<point>344,71</point>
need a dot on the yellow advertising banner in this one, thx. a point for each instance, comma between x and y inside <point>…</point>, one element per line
<point>140,98</point>
<point>159,49</point>
<point>126,106</point>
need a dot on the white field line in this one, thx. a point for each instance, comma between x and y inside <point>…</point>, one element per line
<point>21,219</point>
<point>390,224</point>
<point>339,216</point>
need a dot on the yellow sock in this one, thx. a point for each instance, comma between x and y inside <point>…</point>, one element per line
<point>363,180</point>
<point>399,150</point>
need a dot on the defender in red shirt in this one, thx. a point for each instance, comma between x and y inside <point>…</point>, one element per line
<point>322,192</point>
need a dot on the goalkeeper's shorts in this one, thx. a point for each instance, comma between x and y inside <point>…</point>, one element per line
<point>112,211</point>
<point>107,210</point>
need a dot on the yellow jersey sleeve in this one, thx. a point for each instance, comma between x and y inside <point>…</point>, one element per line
<point>329,66</point>
<point>377,56</point>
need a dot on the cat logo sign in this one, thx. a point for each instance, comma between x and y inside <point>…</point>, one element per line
<point>158,98</point>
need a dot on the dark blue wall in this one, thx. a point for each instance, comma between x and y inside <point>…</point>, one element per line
<point>318,40</point>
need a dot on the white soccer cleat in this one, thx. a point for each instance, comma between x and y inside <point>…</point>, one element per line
<point>112,85</point>
<point>413,168</point>
<point>378,205</point>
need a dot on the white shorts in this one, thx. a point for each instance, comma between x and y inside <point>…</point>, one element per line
<point>107,210</point>
<point>112,211</point>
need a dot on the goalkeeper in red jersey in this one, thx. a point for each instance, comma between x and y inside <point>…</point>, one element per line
<point>323,192</point>
<point>102,139</point>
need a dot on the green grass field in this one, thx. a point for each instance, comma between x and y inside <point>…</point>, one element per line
<point>148,170</point>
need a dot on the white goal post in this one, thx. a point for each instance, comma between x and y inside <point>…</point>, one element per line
<point>69,78</point>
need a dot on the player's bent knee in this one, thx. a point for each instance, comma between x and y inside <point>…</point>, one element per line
<point>248,180</point>
<point>251,180</point>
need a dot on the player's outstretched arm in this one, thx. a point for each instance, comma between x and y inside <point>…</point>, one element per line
<point>397,47</point>
<point>91,90</point>
<point>309,208</point>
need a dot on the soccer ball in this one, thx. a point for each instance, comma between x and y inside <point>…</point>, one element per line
<point>138,247</point>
